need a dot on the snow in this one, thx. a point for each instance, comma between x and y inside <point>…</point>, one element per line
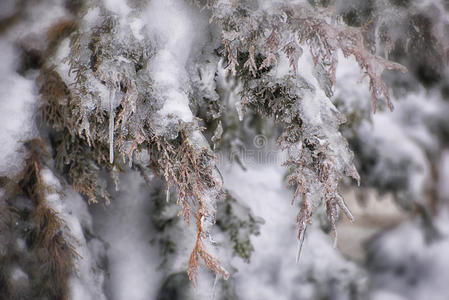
<point>405,264</point>
<point>176,28</point>
<point>282,67</point>
<point>62,66</point>
<point>178,31</point>
<point>126,226</point>
<point>119,7</point>
<point>311,105</point>
<point>17,274</point>
<point>272,272</point>
<point>351,85</point>
<point>18,101</point>
<point>91,18</point>
<point>44,14</point>
<point>416,114</point>
<point>7,8</point>
<point>395,145</point>
<point>443,188</point>
<point>87,283</point>
<point>386,295</point>
<point>401,141</point>
<point>136,25</point>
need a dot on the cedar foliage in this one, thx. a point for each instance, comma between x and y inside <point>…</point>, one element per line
<point>106,120</point>
<point>50,262</point>
<point>88,120</point>
<point>317,160</point>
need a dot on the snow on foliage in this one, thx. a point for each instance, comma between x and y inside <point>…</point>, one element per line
<point>134,92</point>
<point>318,156</point>
<point>269,274</point>
<point>16,111</point>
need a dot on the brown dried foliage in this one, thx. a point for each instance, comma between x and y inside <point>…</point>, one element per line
<point>189,170</point>
<point>309,26</point>
<point>81,140</point>
<point>325,39</point>
<point>53,263</point>
<point>199,251</point>
<point>74,155</point>
<point>58,32</point>
<point>308,177</point>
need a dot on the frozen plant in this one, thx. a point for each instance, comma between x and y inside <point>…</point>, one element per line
<point>159,88</point>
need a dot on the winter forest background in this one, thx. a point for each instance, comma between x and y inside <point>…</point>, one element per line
<point>224,149</point>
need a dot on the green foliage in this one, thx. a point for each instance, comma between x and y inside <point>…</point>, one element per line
<point>237,220</point>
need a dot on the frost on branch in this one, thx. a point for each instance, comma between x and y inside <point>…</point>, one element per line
<point>286,56</point>
<point>287,28</point>
<point>125,101</point>
<point>118,94</point>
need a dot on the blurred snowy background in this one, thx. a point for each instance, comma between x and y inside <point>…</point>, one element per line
<point>396,249</point>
